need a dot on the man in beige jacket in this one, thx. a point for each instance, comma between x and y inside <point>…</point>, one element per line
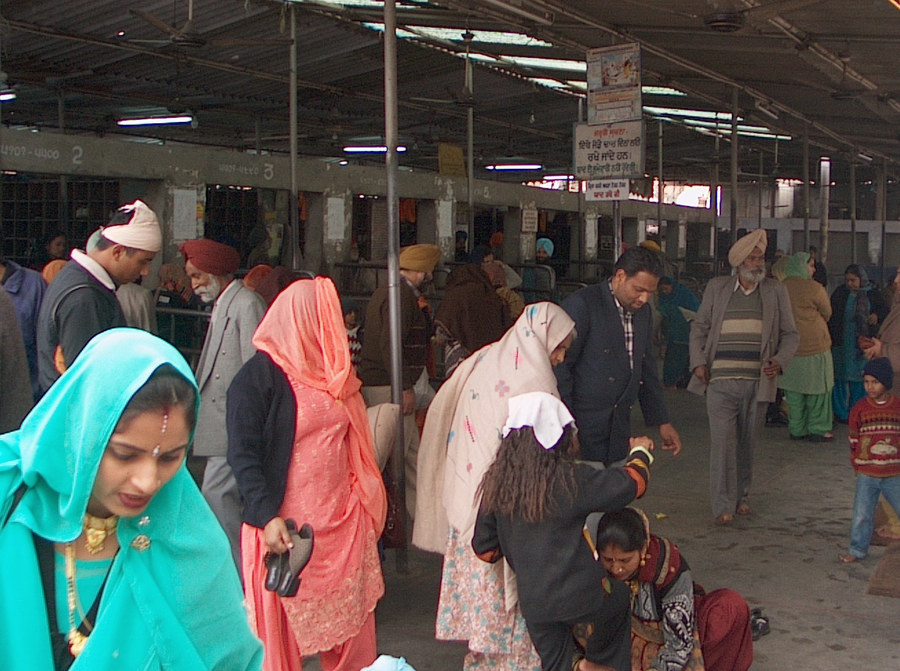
<point>741,339</point>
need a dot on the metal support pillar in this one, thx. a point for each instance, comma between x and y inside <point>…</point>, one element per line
<point>714,188</point>
<point>293,239</point>
<point>734,163</point>
<point>806,188</point>
<point>659,174</point>
<point>393,260</point>
<point>759,193</point>
<point>824,206</point>
<point>853,211</point>
<point>882,197</point>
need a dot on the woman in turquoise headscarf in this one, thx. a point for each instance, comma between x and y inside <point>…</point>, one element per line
<point>109,556</point>
<point>677,306</point>
<point>857,310</point>
<point>809,378</point>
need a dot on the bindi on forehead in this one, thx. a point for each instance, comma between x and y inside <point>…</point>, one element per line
<point>162,432</point>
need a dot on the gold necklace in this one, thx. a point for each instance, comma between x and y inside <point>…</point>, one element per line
<point>96,530</point>
<point>635,586</point>
<point>76,639</point>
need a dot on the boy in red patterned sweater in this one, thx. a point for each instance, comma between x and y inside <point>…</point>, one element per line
<point>874,453</point>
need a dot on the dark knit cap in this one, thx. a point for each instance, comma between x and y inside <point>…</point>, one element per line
<point>881,370</point>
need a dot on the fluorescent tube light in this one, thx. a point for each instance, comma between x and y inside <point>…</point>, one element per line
<point>371,149</point>
<point>6,96</point>
<point>662,91</point>
<point>157,120</point>
<point>511,167</point>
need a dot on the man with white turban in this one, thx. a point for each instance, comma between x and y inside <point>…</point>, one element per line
<point>81,302</point>
<point>742,338</point>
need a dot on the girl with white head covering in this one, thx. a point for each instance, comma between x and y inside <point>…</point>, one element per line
<point>461,436</point>
<point>534,502</point>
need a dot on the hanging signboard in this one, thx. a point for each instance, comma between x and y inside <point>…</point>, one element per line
<point>608,189</point>
<point>451,160</point>
<point>613,151</point>
<point>614,84</point>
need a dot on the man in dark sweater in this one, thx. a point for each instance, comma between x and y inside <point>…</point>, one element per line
<point>417,263</point>
<point>81,301</point>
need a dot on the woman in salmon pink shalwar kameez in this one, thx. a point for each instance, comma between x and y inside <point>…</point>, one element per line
<point>300,447</point>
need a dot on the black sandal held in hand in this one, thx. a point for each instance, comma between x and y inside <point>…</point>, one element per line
<point>283,570</point>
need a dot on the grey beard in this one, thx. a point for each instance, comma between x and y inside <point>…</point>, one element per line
<point>751,275</point>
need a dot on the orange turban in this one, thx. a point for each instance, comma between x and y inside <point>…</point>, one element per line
<point>255,274</point>
<point>422,258</point>
<point>51,269</point>
<point>210,256</point>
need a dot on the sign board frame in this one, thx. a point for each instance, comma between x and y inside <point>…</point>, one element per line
<point>610,151</point>
<point>614,84</point>
<point>529,220</point>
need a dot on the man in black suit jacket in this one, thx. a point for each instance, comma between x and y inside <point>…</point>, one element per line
<point>604,374</point>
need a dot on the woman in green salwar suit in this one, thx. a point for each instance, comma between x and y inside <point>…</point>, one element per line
<point>109,556</point>
<point>809,378</point>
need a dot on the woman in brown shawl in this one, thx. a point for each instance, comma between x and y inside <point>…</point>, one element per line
<point>470,316</point>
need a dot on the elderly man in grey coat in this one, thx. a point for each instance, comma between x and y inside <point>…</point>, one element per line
<point>236,313</point>
<point>742,338</point>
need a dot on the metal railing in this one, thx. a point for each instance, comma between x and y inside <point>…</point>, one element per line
<point>184,329</point>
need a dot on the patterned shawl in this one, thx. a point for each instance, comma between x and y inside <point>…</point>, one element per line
<point>462,429</point>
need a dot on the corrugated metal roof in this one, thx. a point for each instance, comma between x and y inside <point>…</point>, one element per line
<point>828,66</point>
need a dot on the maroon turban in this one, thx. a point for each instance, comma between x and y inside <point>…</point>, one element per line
<point>211,257</point>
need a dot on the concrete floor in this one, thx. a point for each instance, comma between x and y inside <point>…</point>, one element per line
<point>783,558</point>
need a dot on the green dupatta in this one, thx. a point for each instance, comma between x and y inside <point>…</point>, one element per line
<point>176,604</point>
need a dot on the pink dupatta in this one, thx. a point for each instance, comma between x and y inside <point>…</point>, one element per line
<point>304,334</point>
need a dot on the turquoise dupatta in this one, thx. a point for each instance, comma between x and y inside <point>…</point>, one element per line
<point>176,604</point>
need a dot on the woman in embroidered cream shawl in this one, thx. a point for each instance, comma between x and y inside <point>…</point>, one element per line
<point>461,436</point>
<point>97,507</point>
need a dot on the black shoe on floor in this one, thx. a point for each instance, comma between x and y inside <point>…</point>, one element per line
<point>759,624</point>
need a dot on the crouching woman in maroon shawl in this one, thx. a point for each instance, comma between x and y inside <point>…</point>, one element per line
<point>676,626</point>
